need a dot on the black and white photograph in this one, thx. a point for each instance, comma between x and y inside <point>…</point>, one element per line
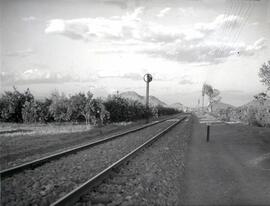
<point>134,102</point>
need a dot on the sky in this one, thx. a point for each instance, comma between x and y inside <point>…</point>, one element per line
<point>105,46</point>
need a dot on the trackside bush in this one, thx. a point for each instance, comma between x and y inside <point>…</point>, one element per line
<point>23,107</point>
<point>12,103</point>
<point>166,110</point>
<point>122,109</point>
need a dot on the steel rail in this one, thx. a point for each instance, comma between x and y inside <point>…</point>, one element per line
<point>38,162</point>
<point>72,197</point>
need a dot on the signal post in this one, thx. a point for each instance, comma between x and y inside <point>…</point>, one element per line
<point>147,78</point>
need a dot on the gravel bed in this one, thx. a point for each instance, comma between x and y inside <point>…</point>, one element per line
<point>45,184</point>
<point>22,149</point>
<point>153,177</point>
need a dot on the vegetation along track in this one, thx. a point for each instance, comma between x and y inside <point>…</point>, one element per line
<point>53,180</point>
<point>40,161</point>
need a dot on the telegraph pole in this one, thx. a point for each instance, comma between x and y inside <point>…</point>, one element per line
<point>147,78</point>
<point>202,101</point>
<point>203,93</point>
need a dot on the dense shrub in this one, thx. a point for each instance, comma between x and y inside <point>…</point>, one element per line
<point>23,107</point>
<point>122,109</point>
<point>224,113</point>
<point>251,117</point>
<point>166,110</point>
<point>262,116</point>
<point>12,103</point>
<point>100,114</point>
<point>59,107</point>
<point>80,107</point>
<point>37,111</point>
<point>29,112</point>
<point>43,111</point>
<point>255,116</point>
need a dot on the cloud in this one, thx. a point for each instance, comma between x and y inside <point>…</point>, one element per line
<point>249,50</point>
<point>6,78</point>
<point>258,45</point>
<point>132,76</point>
<point>29,18</point>
<point>129,33</point>
<point>254,23</point>
<point>109,51</point>
<point>117,28</point>
<point>163,12</point>
<point>236,97</point>
<point>36,76</point>
<point>135,15</point>
<point>86,29</point>
<point>220,22</point>
<point>189,11</point>
<point>120,3</point>
<point>131,27</point>
<point>203,53</point>
<point>135,76</point>
<point>20,53</point>
<point>185,80</point>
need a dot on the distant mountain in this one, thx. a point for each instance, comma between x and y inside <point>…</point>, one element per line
<point>155,101</point>
<point>135,96</point>
<point>177,105</point>
<point>256,104</point>
<point>132,95</point>
<point>221,105</point>
<point>260,116</point>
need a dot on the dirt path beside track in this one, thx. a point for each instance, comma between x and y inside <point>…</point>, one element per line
<point>227,170</point>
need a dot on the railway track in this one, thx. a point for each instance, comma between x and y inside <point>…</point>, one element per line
<point>74,195</point>
<point>38,162</point>
<point>43,185</point>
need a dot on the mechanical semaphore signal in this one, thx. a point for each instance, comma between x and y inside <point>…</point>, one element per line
<point>147,78</point>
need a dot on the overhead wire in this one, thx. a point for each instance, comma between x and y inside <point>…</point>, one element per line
<point>238,11</point>
<point>224,28</point>
<point>235,29</point>
<point>227,30</point>
<point>246,18</point>
<point>232,28</point>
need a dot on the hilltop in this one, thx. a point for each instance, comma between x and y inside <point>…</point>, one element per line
<point>178,106</point>
<point>256,104</point>
<point>222,106</point>
<point>135,96</point>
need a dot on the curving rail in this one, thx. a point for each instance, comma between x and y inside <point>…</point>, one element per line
<point>74,195</point>
<point>38,162</point>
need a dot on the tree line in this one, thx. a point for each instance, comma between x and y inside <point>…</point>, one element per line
<point>213,96</point>
<point>16,106</point>
<point>258,113</point>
